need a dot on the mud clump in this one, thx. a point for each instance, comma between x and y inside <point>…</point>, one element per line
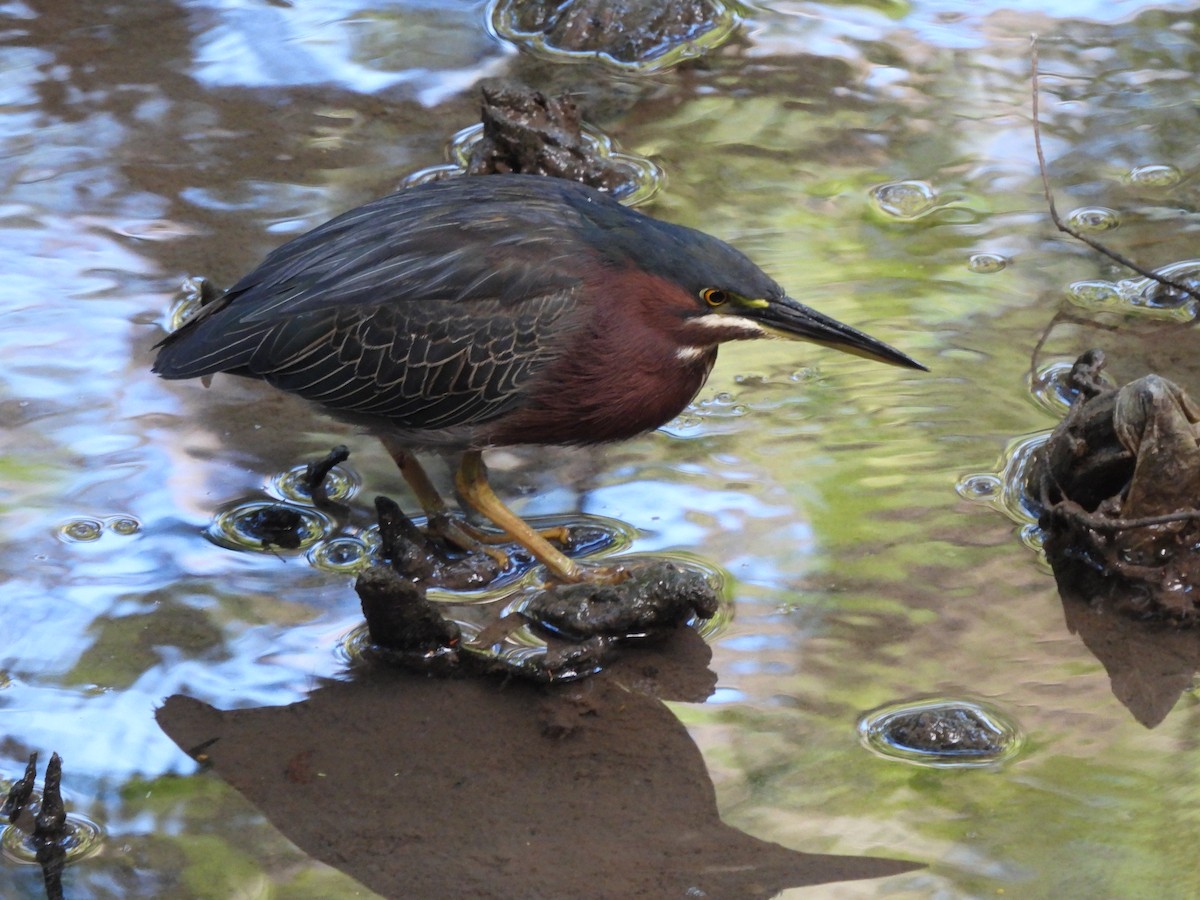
<point>653,598</point>
<point>583,626</point>
<point>526,132</point>
<point>1117,481</point>
<point>427,555</point>
<point>399,616</point>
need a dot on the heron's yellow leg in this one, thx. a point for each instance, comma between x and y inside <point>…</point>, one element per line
<point>458,532</point>
<point>471,481</point>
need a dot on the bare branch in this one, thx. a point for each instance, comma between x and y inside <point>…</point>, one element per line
<point>1074,232</point>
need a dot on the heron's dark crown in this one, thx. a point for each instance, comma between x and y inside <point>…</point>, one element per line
<point>690,258</point>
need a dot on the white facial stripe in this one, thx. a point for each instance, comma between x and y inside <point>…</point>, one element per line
<point>690,354</point>
<point>730,326</point>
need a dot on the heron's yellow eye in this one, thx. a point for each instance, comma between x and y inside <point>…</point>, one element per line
<point>714,296</point>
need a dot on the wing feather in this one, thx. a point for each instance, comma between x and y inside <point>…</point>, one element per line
<point>420,307</point>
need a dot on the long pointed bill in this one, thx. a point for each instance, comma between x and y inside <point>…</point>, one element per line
<point>791,319</point>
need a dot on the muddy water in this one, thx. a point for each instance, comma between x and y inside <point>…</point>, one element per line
<point>876,158</point>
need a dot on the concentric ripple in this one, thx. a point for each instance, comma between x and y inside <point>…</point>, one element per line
<point>987,263</point>
<point>267,525</point>
<point>1144,296</point>
<point>195,290</point>
<point>593,537</point>
<point>905,199</point>
<point>1094,218</point>
<point>82,838</point>
<point>1154,175</point>
<point>1051,387</point>
<point>81,530</point>
<point>340,484</point>
<point>343,555</point>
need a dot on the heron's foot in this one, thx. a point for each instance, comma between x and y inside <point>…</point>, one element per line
<point>572,540</point>
<point>468,538</point>
<point>562,535</point>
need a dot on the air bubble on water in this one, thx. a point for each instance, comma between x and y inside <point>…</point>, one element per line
<point>905,199</point>
<point>987,263</point>
<point>1094,218</point>
<point>1154,175</point>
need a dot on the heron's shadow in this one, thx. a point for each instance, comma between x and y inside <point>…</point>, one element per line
<point>424,787</point>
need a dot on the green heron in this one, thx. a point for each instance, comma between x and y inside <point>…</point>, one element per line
<point>483,312</point>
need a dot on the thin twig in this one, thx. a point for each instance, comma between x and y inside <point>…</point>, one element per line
<point>1072,511</point>
<point>1074,232</point>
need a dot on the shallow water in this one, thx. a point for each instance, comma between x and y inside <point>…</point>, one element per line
<point>866,155</point>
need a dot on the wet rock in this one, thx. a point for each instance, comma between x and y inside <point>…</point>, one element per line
<point>526,132</point>
<point>1117,481</point>
<point>945,731</point>
<point>580,625</point>
<point>1084,461</point>
<point>626,31</point>
<point>654,597</point>
<point>940,733</point>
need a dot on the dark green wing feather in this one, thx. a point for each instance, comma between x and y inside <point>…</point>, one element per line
<point>427,308</point>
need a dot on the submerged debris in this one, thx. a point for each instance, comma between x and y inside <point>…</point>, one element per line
<point>1117,480</point>
<point>276,525</point>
